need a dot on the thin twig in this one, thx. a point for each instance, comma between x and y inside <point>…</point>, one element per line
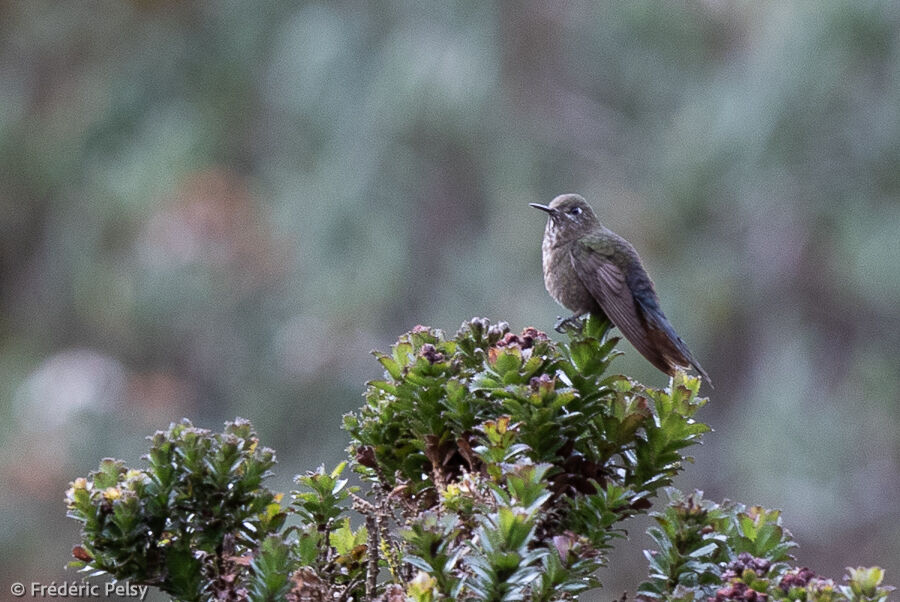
<point>372,568</point>
<point>371,513</point>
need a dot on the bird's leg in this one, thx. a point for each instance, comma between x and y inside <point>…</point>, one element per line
<point>572,322</point>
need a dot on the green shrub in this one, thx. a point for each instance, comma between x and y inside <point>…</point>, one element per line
<point>495,466</point>
<point>709,551</point>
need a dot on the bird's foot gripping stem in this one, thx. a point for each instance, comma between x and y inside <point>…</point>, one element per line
<point>572,322</point>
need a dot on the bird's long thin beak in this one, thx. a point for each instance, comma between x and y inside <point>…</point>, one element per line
<point>543,208</point>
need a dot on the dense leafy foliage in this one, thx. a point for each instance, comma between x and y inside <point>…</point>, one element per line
<point>180,523</point>
<point>716,552</point>
<point>496,466</point>
<point>527,447</point>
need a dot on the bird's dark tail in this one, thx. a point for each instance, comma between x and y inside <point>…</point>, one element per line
<point>701,371</point>
<point>673,351</point>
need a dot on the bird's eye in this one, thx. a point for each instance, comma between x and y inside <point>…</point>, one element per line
<point>575,211</point>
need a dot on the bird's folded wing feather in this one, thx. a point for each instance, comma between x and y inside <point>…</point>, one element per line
<point>607,284</point>
<point>636,314</point>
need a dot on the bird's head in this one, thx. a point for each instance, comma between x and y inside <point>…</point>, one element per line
<point>569,216</point>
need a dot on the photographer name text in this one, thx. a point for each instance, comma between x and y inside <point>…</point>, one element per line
<point>79,589</point>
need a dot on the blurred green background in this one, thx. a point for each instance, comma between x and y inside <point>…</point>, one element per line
<point>212,209</point>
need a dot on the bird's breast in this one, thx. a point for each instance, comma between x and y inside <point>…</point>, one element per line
<point>560,278</point>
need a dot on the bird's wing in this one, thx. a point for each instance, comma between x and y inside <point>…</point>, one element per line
<point>632,307</point>
<point>607,283</point>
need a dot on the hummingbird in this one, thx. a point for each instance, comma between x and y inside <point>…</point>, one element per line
<point>588,268</point>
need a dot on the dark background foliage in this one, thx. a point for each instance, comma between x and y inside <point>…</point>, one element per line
<point>213,209</point>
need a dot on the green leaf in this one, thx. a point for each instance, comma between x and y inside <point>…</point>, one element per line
<point>344,539</point>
